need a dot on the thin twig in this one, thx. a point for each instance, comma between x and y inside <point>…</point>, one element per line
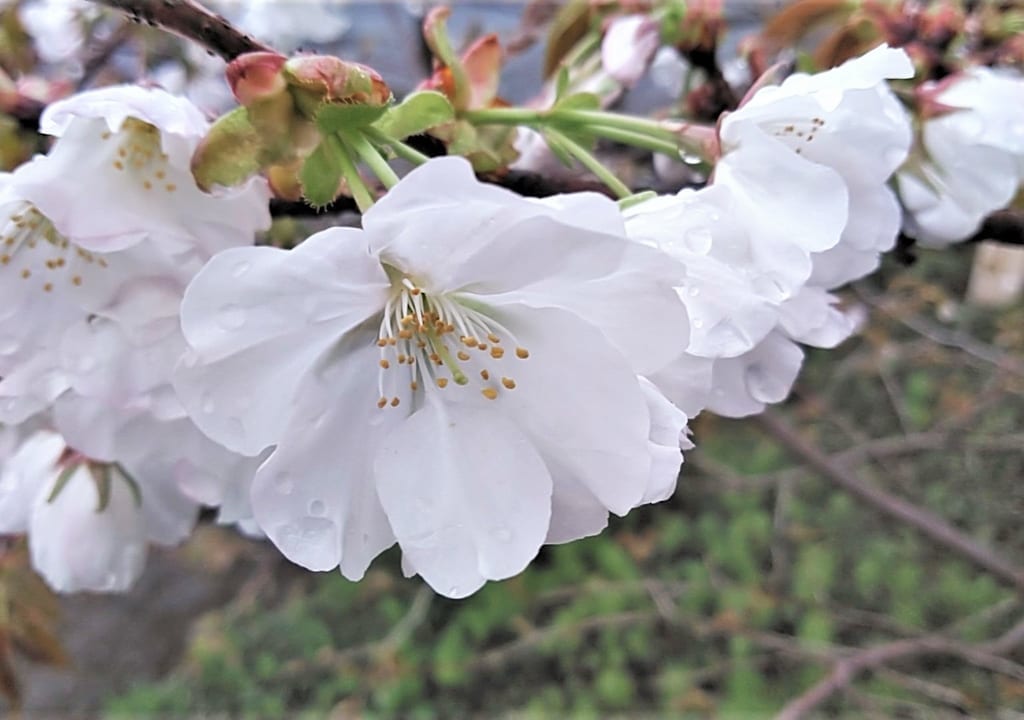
<point>845,670</point>
<point>190,20</point>
<point>928,524</point>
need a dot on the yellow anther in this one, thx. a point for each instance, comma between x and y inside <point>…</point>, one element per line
<point>405,334</point>
<point>481,346</point>
<point>147,184</point>
<point>435,358</point>
<point>489,393</point>
<point>414,386</point>
<point>509,383</point>
<point>442,382</point>
<point>170,187</point>
<point>462,355</point>
<point>76,280</point>
<point>470,341</point>
<point>382,403</point>
<point>485,375</point>
<point>401,358</point>
<point>383,342</point>
<point>4,259</point>
<point>384,363</point>
<point>493,338</point>
<point>522,353</point>
<point>26,273</point>
<point>395,401</point>
<point>497,352</point>
<point>48,287</point>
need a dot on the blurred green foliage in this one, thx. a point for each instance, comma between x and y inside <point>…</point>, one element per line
<point>725,601</point>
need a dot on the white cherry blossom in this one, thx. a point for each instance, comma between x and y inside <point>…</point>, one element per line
<point>971,157</point>
<point>830,119</point>
<point>460,376</point>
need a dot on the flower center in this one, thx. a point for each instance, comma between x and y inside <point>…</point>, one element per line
<point>139,153</point>
<point>32,248</point>
<point>440,339</point>
<point>797,132</point>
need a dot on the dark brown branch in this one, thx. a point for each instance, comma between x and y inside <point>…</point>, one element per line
<point>928,524</point>
<point>191,21</point>
<point>847,669</point>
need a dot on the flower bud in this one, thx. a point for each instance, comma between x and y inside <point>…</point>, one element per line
<point>256,76</point>
<point>331,79</point>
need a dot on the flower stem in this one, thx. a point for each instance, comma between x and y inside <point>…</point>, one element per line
<point>343,156</point>
<point>371,156</point>
<point>401,149</point>
<point>588,161</point>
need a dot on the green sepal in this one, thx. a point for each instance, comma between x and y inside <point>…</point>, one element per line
<point>62,481</point>
<point>332,117</point>
<point>320,176</point>
<point>417,113</point>
<point>230,153</point>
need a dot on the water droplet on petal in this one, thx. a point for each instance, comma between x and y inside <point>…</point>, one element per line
<point>231,317</point>
<point>698,240</point>
<point>317,508</point>
<point>283,483</point>
<point>453,590</point>
<point>240,269</point>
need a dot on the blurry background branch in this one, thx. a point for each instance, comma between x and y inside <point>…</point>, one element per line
<point>191,21</point>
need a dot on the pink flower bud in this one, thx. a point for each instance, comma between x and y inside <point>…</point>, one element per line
<point>256,76</point>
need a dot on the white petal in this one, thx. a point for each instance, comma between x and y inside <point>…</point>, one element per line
<point>315,496</point>
<point>746,384</point>
<point>25,475</point>
<point>468,496</point>
<point>259,319</point>
<point>580,403</point>
<point>668,425</point>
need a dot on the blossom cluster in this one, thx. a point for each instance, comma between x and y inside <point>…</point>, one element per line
<point>470,374</point>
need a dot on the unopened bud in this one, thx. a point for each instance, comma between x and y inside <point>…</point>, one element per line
<point>331,79</point>
<point>256,76</point>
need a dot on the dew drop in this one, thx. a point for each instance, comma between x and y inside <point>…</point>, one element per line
<point>231,317</point>
<point>317,508</point>
<point>698,239</point>
<point>283,483</point>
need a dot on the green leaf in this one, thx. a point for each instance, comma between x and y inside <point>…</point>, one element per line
<point>418,112</point>
<point>320,176</point>
<point>331,118</point>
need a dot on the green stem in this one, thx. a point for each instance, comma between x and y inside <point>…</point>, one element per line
<point>635,139</point>
<point>343,156</point>
<point>370,155</point>
<point>630,123</point>
<point>401,149</point>
<point>590,162</point>
<point>507,116</point>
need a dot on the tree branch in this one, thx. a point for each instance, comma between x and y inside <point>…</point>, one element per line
<point>928,524</point>
<point>190,20</point>
<point>847,669</point>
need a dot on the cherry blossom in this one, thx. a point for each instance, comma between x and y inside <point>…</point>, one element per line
<point>459,376</point>
<point>971,156</point>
